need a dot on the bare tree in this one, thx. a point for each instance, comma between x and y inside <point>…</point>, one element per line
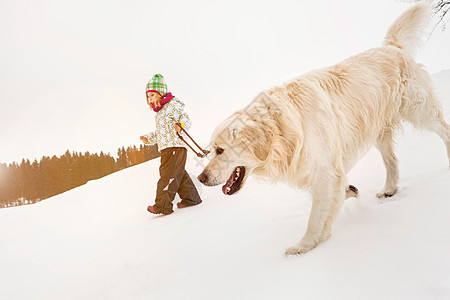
<point>440,10</point>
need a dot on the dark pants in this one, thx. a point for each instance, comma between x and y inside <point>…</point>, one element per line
<point>174,179</point>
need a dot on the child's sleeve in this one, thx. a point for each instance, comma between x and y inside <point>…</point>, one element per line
<point>181,116</point>
<point>151,138</point>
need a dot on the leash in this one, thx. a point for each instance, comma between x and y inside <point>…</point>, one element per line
<point>201,155</point>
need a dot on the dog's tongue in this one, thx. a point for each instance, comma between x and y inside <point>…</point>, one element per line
<point>226,187</point>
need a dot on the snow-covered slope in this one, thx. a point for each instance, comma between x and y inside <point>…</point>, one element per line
<point>99,242</point>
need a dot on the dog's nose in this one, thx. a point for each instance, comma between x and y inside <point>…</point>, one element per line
<point>203,178</point>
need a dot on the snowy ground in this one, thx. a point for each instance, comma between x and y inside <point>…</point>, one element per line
<point>99,242</point>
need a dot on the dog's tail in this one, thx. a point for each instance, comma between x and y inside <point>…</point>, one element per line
<point>406,31</point>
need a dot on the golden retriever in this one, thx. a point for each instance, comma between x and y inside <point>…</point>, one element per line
<point>312,130</point>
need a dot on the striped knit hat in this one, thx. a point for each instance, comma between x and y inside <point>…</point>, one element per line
<point>157,84</point>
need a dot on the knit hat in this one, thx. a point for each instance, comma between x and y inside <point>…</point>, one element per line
<point>157,84</point>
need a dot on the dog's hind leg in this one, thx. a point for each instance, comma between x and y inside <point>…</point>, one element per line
<point>434,122</point>
<point>439,126</point>
<point>423,109</point>
<point>328,198</point>
<point>385,145</point>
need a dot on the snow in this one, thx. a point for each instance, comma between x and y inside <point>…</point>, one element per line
<point>99,242</point>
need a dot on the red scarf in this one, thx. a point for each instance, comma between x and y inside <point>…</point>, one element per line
<point>164,100</point>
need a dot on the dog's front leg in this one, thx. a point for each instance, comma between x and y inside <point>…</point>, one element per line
<point>328,197</point>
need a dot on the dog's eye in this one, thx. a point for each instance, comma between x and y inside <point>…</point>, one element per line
<point>219,151</point>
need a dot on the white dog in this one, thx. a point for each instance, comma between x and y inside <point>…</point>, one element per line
<point>311,131</point>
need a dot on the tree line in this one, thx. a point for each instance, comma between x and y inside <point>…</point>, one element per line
<point>29,182</point>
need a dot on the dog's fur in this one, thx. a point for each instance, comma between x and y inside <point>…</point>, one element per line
<point>311,131</point>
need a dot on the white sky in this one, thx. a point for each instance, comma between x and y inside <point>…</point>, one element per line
<point>73,73</point>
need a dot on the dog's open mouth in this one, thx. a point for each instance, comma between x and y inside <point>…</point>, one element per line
<point>234,183</point>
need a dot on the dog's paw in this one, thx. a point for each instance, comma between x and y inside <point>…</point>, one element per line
<point>294,251</point>
<point>298,250</point>
<point>351,191</point>
<point>387,193</point>
<point>384,195</point>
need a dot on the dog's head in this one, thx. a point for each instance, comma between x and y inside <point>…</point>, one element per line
<point>240,144</point>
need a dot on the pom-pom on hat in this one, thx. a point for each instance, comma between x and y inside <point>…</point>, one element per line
<point>157,84</point>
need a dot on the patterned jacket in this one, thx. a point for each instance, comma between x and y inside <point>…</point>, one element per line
<point>165,135</point>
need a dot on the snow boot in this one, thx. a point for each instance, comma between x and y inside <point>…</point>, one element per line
<point>152,210</point>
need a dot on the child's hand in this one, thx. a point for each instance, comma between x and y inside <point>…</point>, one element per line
<point>144,139</point>
<point>177,127</point>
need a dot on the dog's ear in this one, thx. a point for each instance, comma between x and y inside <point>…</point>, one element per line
<point>258,140</point>
<point>259,122</point>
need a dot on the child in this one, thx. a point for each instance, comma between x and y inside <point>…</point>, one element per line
<point>174,178</point>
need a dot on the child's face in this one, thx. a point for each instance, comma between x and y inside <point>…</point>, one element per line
<point>153,98</point>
